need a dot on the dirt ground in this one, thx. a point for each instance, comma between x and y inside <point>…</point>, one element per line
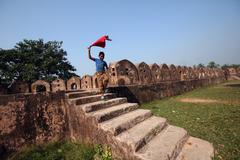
<point>200,100</point>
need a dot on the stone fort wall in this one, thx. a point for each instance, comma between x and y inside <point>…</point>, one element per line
<point>32,119</point>
<point>47,116</point>
<point>125,73</point>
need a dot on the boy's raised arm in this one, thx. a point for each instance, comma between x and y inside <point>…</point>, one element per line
<point>89,54</point>
<point>106,65</point>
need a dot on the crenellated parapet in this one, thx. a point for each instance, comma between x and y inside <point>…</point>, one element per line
<point>234,71</point>
<point>86,82</point>
<point>125,73</point>
<point>175,75</point>
<point>156,74</point>
<point>165,72</point>
<point>20,87</point>
<point>74,83</point>
<point>144,73</point>
<point>58,85</point>
<point>40,86</point>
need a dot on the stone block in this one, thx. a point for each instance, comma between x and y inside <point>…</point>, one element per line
<point>144,73</point>
<point>122,73</point>
<point>58,85</point>
<point>86,82</point>
<point>74,83</point>
<point>40,86</point>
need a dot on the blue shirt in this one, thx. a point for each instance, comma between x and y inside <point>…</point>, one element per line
<point>100,65</point>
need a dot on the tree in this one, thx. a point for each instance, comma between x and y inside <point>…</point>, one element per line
<point>225,66</point>
<point>200,65</point>
<point>212,64</point>
<point>31,60</point>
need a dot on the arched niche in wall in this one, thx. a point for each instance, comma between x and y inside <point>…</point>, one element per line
<point>191,73</point>
<point>144,73</point>
<point>165,72</point>
<point>207,72</point>
<point>40,86</point>
<point>232,71</point>
<point>175,76</point>
<point>201,73</point>
<point>86,82</point>
<point>74,83</point>
<point>156,74</point>
<point>185,73</point>
<point>123,72</point>
<point>95,81</point>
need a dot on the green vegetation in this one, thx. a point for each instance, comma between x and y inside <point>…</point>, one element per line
<point>63,150</point>
<point>210,113</point>
<point>212,64</point>
<point>56,151</point>
<point>103,153</point>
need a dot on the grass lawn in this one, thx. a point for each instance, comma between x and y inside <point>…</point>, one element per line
<point>65,150</point>
<point>211,113</point>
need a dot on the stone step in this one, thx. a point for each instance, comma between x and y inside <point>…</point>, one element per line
<point>74,91</point>
<point>117,110</point>
<point>90,99</point>
<point>94,106</point>
<point>165,146</point>
<point>196,149</point>
<point>82,93</point>
<point>143,132</point>
<point>125,121</point>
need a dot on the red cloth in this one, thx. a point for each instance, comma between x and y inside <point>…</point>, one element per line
<point>101,42</point>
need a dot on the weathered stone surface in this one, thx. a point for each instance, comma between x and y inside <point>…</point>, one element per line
<point>114,111</point>
<point>185,73</point>
<point>58,85</point>
<point>165,72</point>
<point>123,72</point>
<point>92,98</point>
<point>95,81</point>
<point>127,133</point>
<point>155,69</point>
<point>40,83</point>
<point>31,119</point>
<point>192,74</point>
<point>86,82</point>
<point>74,83</point>
<point>142,133</point>
<point>165,146</point>
<point>20,87</point>
<point>196,149</point>
<point>82,116</point>
<point>82,93</point>
<point>232,71</point>
<point>94,106</point>
<point>147,93</point>
<point>175,76</point>
<point>201,74</point>
<point>144,73</point>
<point>125,121</point>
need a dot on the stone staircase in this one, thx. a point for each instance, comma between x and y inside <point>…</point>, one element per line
<point>135,133</point>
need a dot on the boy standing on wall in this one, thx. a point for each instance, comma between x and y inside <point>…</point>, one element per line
<point>101,67</point>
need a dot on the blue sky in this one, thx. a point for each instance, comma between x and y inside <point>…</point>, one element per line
<point>181,32</point>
